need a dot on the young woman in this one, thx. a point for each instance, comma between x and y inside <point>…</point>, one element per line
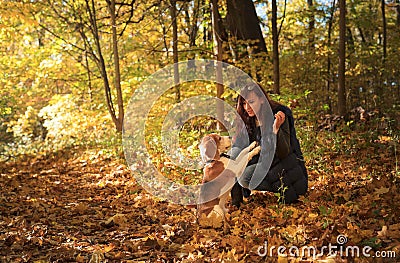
<point>287,174</point>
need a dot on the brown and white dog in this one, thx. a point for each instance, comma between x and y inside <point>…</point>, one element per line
<point>222,171</point>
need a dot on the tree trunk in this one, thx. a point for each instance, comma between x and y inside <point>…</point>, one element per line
<point>384,31</point>
<point>193,30</point>
<point>311,24</point>
<point>100,61</point>
<point>117,73</point>
<point>194,25</point>
<point>342,59</point>
<point>41,35</point>
<point>175,50</point>
<point>329,77</point>
<point>398,12</point>
<point>382,74</point>
<point>350,41</point>
<point>275,55</point>
<point>90,93</point>
<point>219,51</point>
<point>244,25</point>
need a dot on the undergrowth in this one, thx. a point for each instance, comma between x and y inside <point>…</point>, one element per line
<point>361,142</point>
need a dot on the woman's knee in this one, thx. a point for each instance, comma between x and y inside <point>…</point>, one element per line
<point>244,182</point>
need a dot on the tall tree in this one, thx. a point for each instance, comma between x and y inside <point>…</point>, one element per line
<point>398,12</point>
<point>118,120</point>
<point>90,22</point>
<point>100,61</point>
<point>275,52</point>
<point>244,25</point>
<point>192,24</point>
<point>311,23</point>
<point>175,49</point>
<point>342,59</point>
<point>384,30</point>
<point>192,21</point>
<point>218,32</point>
<point>329,63</point>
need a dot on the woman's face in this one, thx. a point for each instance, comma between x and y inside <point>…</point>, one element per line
<point>253,104</point>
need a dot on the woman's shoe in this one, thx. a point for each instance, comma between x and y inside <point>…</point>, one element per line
<point>246,192</point>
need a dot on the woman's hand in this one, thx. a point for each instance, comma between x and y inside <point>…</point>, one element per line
<point>279,120</point>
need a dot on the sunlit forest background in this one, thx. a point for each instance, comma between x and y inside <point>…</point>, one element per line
<point>69,68</point>
<point>66,64</point>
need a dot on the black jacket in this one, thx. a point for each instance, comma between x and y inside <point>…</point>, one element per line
<point>287,173</point>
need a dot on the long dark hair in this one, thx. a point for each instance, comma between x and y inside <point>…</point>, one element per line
<point>250,122</point>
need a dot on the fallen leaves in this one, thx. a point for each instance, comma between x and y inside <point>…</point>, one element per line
<point>84,209</point>
<point>382,190</point>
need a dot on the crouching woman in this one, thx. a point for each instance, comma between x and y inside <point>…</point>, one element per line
<point>287,174</point>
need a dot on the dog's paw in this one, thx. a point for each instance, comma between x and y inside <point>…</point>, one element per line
<point>254,152</point>
<point>253,145</point>
<point>215,219</point>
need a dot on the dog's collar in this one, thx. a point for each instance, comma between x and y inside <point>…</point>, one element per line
<point>210,161</point>
<point>225,155</point>
<point>221,155</point>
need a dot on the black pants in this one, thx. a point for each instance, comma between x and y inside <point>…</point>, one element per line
<point>237,194</point>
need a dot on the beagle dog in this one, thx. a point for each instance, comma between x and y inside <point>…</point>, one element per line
<point>220,173</point>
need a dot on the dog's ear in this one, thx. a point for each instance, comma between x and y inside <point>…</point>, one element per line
<point>208,149</point>
<point>216,137</point>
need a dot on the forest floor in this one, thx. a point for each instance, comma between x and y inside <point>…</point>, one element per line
<point>84,206</point>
